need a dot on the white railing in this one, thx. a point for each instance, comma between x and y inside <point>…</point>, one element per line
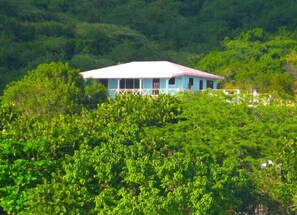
<point>154,92</point>
<point>232,95</point>
<point>253,97</point>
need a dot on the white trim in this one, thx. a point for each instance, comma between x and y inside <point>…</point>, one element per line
<point>140,86</point>
<point>118,85</point>
<point>167,85</point>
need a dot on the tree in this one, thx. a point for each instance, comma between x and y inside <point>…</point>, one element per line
<point>51,89</point>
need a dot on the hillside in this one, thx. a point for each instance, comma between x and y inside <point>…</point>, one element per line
<point>66,148</point>
<point>91,34</point>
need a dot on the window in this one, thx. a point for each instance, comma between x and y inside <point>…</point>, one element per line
<point>209,84</point>
<point>191,81</point>
<point>172,81</point>
<point>201,84</point>
<point>129,84</point>
<point>136,83</point>
<point>122,84</point>
<point>102,81</point>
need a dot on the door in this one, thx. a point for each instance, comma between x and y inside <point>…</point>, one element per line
<point>156,86</point>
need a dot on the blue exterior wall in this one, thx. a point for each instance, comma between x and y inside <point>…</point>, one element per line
<point>181,83</point>
<point>215,86</point>
<point>162,83</point>
<point>112,84</point>
<point>196,84</point>
<point>147,83</point>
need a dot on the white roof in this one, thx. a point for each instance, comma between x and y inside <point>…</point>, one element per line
<point>146,69</point>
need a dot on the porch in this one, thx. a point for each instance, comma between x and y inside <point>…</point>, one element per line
<point>153,91</point>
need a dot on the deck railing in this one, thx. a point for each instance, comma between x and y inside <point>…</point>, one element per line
<point>154,92</point>
<point>232,95</point>
<point>239,96</point>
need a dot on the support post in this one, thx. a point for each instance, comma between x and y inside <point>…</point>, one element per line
<point>118,85</point>
<point>167,84</point>
<point>140,86</point>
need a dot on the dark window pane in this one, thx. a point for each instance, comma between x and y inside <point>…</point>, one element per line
<point>191,81</point>
<point>201,84</point>
<point>122,84</point>
<point>209,84</point>
<point>97,80</point>
<point>129,83</point>
<point>103,82</point>
<point>172,81</point>
<point>136,86</point>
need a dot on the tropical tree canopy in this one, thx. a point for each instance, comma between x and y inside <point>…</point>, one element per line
<point>52,89</point>
<point>193,153</point>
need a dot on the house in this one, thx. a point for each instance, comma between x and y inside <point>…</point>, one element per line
<point>152,78</point>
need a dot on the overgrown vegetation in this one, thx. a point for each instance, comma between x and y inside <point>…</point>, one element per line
<point>256,60</point>
<point>65,148</point>
<point>188,154</point>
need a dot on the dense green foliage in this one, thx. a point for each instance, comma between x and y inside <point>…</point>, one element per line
<point>91,34</point>
<point>53,89</point>
<point>190,154</point>
<point>67,149</point>
<point>256,60</point>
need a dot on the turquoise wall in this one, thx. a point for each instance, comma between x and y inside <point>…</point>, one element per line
<point>181,83</point>
<point>112,84</point>
<point>147,83</point>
